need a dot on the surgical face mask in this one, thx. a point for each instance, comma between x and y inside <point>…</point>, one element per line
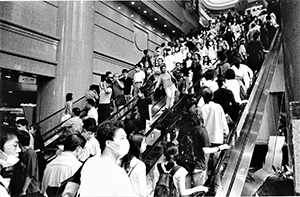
<point>7,160</point>
<point>121,147</point>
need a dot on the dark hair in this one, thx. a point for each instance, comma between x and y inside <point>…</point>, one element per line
<point>73,141</point>
<point>135,141</point>
<point>106,131</point>
<point>24,137</point>
<point>6,133</point>
<point>76,111</point>
<point>256,35</point>
<point>145,51</point>
<point>230,74</point>
<point>91,102</point>
<point>190,102</point>
<point>236,60</point>
<point>220,81</point>
<point>69,96</point>
<point>89,124</point>
<point>207,94</point>
<point>124,70</point>
<point>170,152</point>
<point>209,75</point>
<point>22,122</point>
<point>95,87</point>
<point>107,73</point>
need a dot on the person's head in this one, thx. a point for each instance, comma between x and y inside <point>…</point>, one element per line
<point>163,68</point>
<point>138,67</point>
<point>192,105</point>
<point>189,55</point>
<point>9,146</point>
<point>22,124</point>
<point>89,103</point>
<point>138,145</point>
<point>113,139</point>
<point>24,139</point>
<point>170,152</point>
<point>125,72</point>
<point>178,65</point>
<point>142,92</point>
<point>209,75</point>
<point>207,95</point>
<point>197,57</point>
<point>95,88</point>
<point>206,59</point>
<point>149,70</point>
<point>116,77</point>
<point>223,57</point>
<point>108,74</point>
<point>74,143</point>
<point>256,35</point>
<point>220,81</point>
<point>230,74</point>
<point>69,97</point>
<point>89,128</point>
<point>160,61</point>
<point>76,111</point>
<point>236,61</point>
<point>145,52</point>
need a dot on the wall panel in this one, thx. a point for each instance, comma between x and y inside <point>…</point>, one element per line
<point>38,15</point>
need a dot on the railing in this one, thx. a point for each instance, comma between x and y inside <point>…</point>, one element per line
<point>240,155</point>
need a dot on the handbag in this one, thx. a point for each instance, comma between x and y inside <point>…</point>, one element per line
<point>120,100</point>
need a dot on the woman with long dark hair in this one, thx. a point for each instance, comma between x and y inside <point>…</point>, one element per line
<point>133,164</point>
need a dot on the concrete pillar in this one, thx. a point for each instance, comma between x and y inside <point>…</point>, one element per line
<point>75,27</point>
<point>290,17</point>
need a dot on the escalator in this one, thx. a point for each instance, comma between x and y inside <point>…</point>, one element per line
<point>251,122</point>
<point>235,161</point>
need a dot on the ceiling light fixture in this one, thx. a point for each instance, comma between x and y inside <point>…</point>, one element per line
<point>139,7</point>
<point>132,2</point>
<point>165,25</point>
<point>119,8</point>
<point>173,31</point>
<point>162,34</point>
<point>145,11</point>
<point>143,22</point>
<point>132,15</point>
<point>155,19</point>
<point>153,28</point>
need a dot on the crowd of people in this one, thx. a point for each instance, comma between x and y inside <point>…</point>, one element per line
<point>217,63</point>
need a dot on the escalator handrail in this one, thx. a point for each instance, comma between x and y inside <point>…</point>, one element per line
<point>58,111</point>
<point>251,119</point>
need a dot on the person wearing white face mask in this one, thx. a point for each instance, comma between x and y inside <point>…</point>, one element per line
<point>9,153</point>
<point>101,176</point>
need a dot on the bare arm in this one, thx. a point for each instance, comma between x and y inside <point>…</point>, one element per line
<point>26,184</point>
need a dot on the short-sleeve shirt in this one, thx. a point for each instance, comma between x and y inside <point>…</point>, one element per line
<point>200,140</point>
<point>26,167</point>
<point>127,84</point>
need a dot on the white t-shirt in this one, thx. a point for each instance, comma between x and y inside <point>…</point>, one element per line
<point>92,147</point>
<point>3,190</point>
<point>100,177</point>
<point>138,177</point>
<point>92,113</point>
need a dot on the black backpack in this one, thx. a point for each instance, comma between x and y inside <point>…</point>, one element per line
<point>165,186</point>
<point>187,153</point>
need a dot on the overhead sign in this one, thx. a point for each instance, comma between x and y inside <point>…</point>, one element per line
<point>27,80</point>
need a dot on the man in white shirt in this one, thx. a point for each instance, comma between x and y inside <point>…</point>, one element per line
<point>101,176</point>
<point>138,79</point>
<point>92,111</point>
<point>63,166</point>
<point>216,125</point>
